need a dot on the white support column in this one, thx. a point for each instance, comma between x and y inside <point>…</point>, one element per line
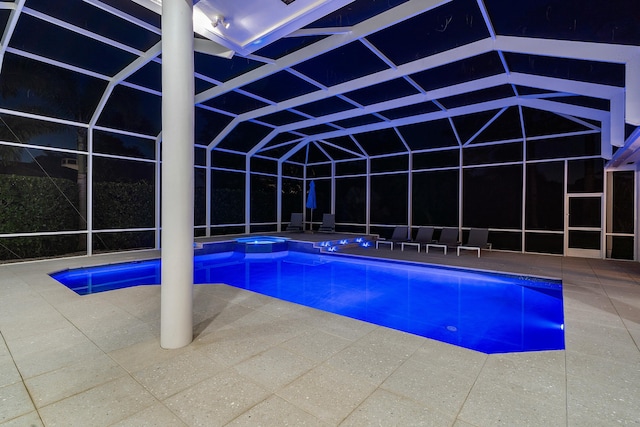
<point>636,215</point>
<point>176,316</point>
<point>208,193</point>
<point>89,191</point>
<point>304,189</point>
<point>247,195</point>
<point>523,208</point>
<point>460,190</point>
<point>617,123</point>
<point>333,187</point>
<point>632,84</point>
<point>368,198</point>
<point>607,210</point>
<point>523,232</point>
<point>279,197</point>
<point>410,195</point>
<point>158,193</point>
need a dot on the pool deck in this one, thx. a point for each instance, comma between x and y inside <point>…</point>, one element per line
<point>96,360</point>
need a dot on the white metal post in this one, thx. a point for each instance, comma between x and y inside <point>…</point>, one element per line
<point>176,314</point>
<point>333,187</point>
<point>279,198</point>
<point>247,195</point>
<point>410,194</point>
<point>158,193</point>
<point>89,191</point>
<point>368,198</point>
<point>208,189</point>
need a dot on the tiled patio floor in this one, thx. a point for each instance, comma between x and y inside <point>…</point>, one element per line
<point>95,360</point>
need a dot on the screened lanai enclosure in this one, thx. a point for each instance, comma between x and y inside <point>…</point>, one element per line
<point>519,116</point>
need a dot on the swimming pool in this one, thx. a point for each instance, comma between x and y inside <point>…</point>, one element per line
<point>491,313</point>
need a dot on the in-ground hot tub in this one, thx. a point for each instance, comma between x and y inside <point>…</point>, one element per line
<point>261,244</point>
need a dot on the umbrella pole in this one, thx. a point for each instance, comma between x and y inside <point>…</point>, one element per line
<point>311,222</point>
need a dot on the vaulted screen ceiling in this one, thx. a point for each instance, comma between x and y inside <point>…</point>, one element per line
<point>371,78</point>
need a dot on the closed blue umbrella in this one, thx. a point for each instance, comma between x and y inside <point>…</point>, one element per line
<point>311,200</point>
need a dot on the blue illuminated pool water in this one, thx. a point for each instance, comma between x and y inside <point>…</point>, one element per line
<point>491,313</point>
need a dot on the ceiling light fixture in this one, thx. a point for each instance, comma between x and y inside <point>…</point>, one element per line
<point>219,20</point>
<point>243,29</point>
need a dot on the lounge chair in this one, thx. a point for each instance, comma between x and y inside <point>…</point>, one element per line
<point>476,241</point>
<point>448,239</point>
<point>424,236</point>
<point>296,222</point>
<point>400,234</point>
<point>328,223</point>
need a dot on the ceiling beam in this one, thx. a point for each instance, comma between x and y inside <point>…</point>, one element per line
<point>383,20</point>
<point>629,56</point>
<point>134,66</point>
<point>10,26</point>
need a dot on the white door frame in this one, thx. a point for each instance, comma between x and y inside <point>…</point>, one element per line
<point>581,252</point>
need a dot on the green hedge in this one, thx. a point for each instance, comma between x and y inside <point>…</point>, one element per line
<point>21,248</point>
<point>30,204</point>
<point>123,205</point>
